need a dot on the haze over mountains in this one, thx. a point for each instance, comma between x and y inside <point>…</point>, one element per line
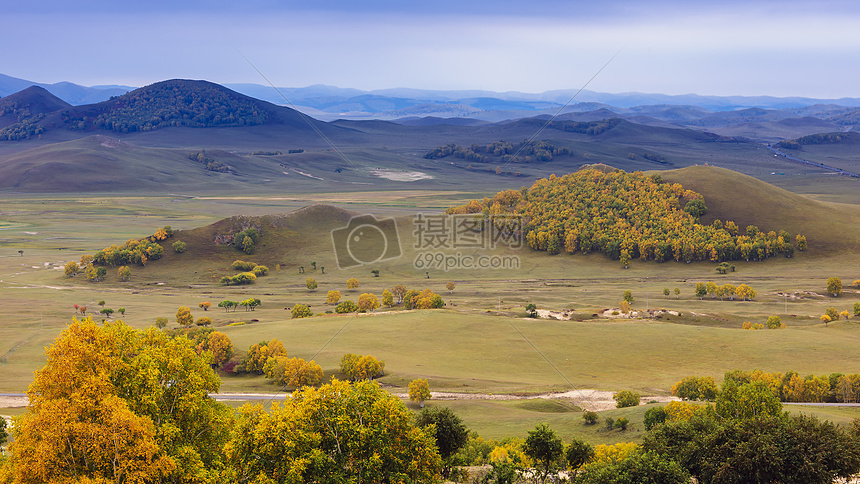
<point>328,102</point>
<point>203,136</point>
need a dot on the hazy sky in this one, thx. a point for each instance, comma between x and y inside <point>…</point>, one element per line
<point>785,48</point>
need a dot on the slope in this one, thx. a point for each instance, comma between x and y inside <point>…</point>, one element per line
<point>730,195</point>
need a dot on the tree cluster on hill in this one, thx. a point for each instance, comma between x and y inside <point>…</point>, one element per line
<point>361,367</point>
<point>173,103</point>
<point>812,139</point>
<point>209,163</point>
<point>624,215</point>
<point>501,151</point>
<point>133,251</point>
<point>591,128</point>
<point>23,129</point>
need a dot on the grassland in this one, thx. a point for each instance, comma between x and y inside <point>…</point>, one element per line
<point>480,343</point>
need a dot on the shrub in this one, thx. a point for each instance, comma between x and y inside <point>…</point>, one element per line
<point>241,265</point>
<point>179,247</point>
<point>626,398</point>
<point>260,271</point>
<point>301,311</point>
<point>590,417</point>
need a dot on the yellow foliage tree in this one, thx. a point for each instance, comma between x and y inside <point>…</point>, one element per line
<point>367,302</point>
<point>419,391</point>
<point>184,316</point>
<point>100,412</point>
<point>352,283</point>
<point>332,297</point>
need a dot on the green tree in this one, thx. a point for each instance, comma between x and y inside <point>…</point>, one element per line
<point>578,453</point>
<point>337,433</point>
<point>626,398</point>
<point>677,292</point>
<point>747,400</point>
<point>622,423</point>
<point>834,286</point>
<point>100,411</point>
<point>346,307</point>
<point>419,391</point>
<point>106,311</point>
<point>696,207</point>
<point>666,292</point>
<point>857,309</point>
<point>635,468</point>
<point>628,296</point>
<point>248,245</point>
<point>531,310</point>
<point>701,290</point>
<point>301,311</point>
<point>544,448</point>
<point>774,322</point>
<point>184,316</point>
<point>450,433</point>
<point>590,417</point>
<point>160,322</point>
<point>654,416</point>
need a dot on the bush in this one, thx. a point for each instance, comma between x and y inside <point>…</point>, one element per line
<point>301,311</point>
<point>626,398</point>
<point>179,247</point>
<point>260,271</point>
<point>241,265</point>
<point>654,416</point>
<point>622,423</point>
<point>590,418</point>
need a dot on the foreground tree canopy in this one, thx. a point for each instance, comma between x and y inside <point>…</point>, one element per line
<point>620,213</point>
<point>337,433</point>
<point>120,405</point>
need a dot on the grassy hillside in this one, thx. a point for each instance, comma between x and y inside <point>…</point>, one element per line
<point>733,196</point>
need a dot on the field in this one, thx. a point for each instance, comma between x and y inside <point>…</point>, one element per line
<point>481,343</point>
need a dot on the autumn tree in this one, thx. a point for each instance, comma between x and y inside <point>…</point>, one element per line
<point>205,305</point>
<point>857,309</point>
<point>834,286</point>
<point>400,291</point>
<point>419,391</point>
<point>184,316</point>
<point>361,367</point>
<point>666,292</point>
<point>301,311</point>
<point>71,268</point>
<point>800,242</point>
<point>219,346</point>
<point>677,292</point>
<point>450,286</point>
<point>337,433</point>
<point>160,322</point>
<point>293,372</point>
<point>387,298</point>
<point>332,297</point>
<point>367,302</point>
<point>746,293</point>
<point>352,284</point>
<point>203,321</point>
<point>100,411</point>
<point>701,290</point>
<point>311,283</point>
<point>259,354</point>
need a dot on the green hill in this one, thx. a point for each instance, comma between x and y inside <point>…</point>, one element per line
<point>748,201</point>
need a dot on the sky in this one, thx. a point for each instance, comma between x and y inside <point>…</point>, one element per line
<point>732,47</point>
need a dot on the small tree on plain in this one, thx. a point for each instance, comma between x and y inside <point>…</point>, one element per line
<point>419,391</point>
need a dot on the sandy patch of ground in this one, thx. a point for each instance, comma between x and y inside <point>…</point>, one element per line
<point>11,402</point>
<point>307,174</point>
<point>651,313</point>
<point>403,176</point>
<point>590,400</point>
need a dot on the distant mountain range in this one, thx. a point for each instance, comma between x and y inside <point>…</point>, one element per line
<point>329,103</point>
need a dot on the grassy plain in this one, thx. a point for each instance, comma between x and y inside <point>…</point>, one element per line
<point>480,343</point>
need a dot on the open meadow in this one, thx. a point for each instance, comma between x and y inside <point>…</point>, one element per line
<point>481,343</point>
